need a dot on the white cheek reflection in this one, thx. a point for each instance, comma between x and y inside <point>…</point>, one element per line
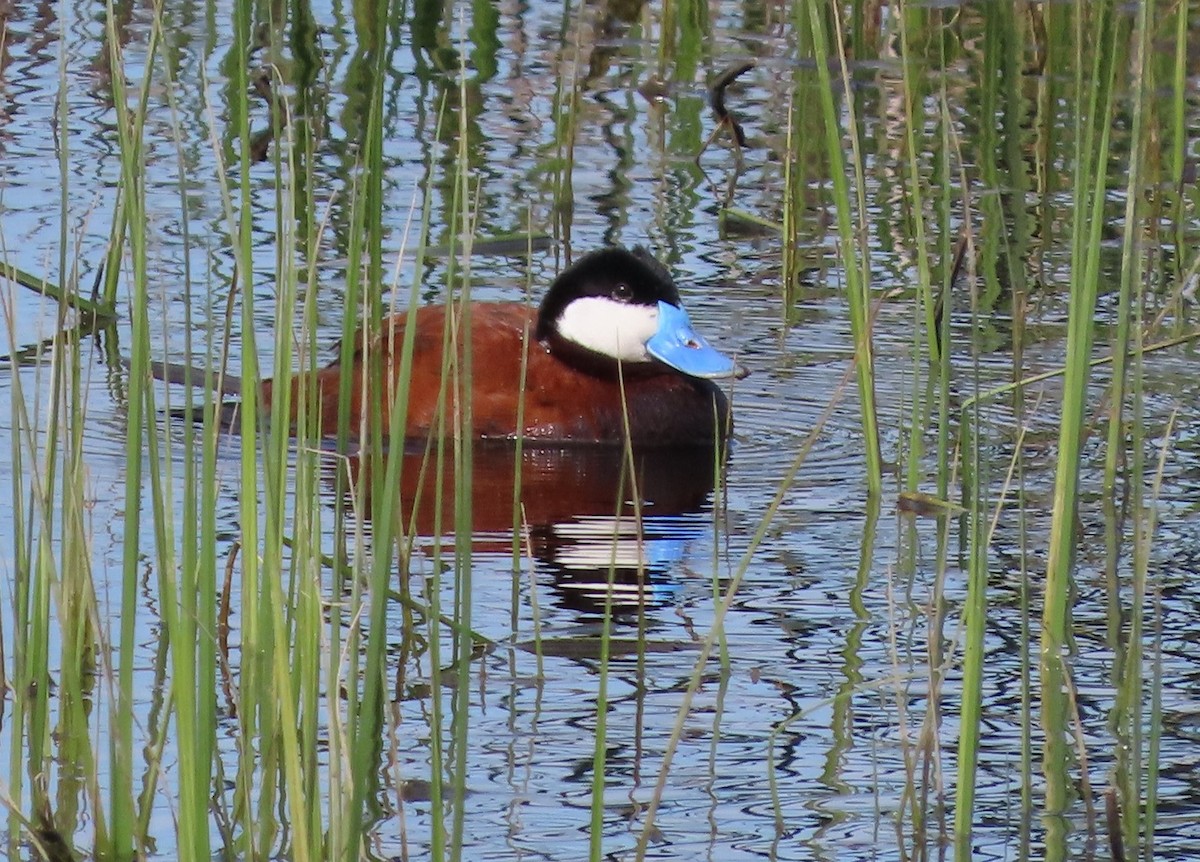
<point>616,329</point>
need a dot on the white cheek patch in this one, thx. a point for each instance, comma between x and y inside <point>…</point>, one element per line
<point>616,329</point>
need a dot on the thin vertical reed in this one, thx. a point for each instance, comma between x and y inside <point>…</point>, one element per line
<point>1149,586</point>
<point>190,624</point>
<point>466,206</point>
<point>974,613</point>
<point>519,443</point>
<point>1132,256</point>
<point>367,722</point>
<point>600,734</point>
<point>1094,84</point>
<point>121,833</point>
<point>913,120</point>
<point>1129,717</point>
<point>1180,92</point>
<point>791,204</point>
<point>442,436</point>
<point>25,638</point>
<point>566,111</point>
<point>255,725</point>
<point>853,239</point>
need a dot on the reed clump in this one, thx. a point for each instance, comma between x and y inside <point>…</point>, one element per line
<point>271,603</point>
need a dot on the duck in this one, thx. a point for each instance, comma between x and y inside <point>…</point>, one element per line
<point>609,355</point>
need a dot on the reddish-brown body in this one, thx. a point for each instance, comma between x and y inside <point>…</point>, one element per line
<point>564,401</point>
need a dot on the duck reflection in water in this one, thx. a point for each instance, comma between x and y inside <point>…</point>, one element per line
<point>578,512</point>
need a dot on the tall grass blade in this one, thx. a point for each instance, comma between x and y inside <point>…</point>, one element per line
<point>851,215</point>
<point>1095,26</point>
<point>121,833</point>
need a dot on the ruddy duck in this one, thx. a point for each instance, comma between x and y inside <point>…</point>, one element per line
<point>611,321</point>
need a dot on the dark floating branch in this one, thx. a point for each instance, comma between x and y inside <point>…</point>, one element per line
<point>716,97</point>
<point>726,120</point>
<point>502,245</point>
<point>182,374</point>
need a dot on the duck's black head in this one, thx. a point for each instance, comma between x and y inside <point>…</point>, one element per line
<point>616,305</point>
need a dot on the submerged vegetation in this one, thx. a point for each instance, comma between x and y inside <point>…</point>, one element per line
<point>278,657</point>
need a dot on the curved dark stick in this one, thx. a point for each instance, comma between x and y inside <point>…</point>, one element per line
<point>716,96</point>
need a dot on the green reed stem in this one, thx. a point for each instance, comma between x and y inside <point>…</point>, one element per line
<point>437,764</point>
<point>256,776</point>
<point>22,620</point>
<point>120,839</point>
<point>442,435</point>
<point>600,735</point>
<point>187,560</point>
<point>974,613</point>
<point>913,119</point>
<point>33,600</point>
<point>1093,129</point>
<point>1129,667</point>
<point>1178,104</point>
<point>855,249</point>
<point>367,723</point>
<point>466,205</point>
<point>1132,255</point>
<point>1150,587</point>
<point>92,314</point>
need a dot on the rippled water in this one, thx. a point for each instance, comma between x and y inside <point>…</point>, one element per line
<point>831,629</point>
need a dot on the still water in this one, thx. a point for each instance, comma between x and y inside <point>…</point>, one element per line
<point>830,634</point>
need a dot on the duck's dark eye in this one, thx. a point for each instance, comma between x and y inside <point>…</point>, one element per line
<point>622,292</point>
